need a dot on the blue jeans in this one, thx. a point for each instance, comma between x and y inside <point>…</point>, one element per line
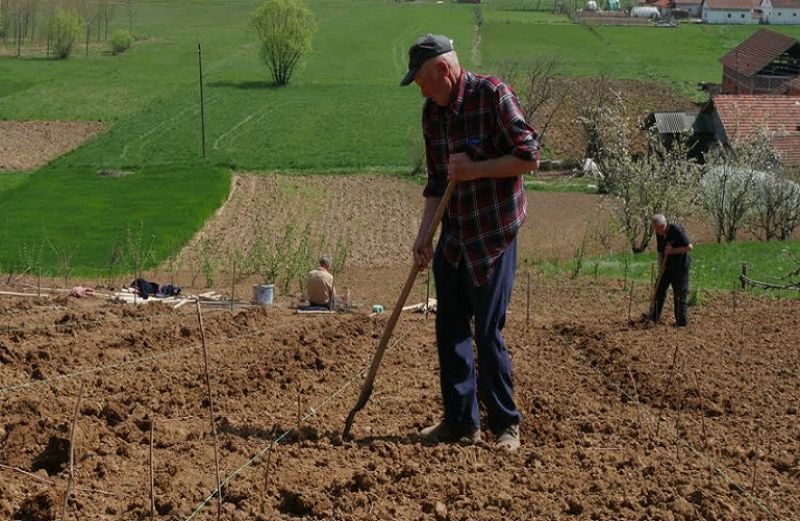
<point>458,301</point>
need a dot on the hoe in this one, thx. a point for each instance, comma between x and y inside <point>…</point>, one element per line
<point>366,390</point>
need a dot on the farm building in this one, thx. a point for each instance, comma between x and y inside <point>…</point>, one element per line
<point>781,12</point>
<point>774,12</point>
<point>729,11</point>
<point>691,7</point>
<point>729,119</point>
<point>762,64</point>
<point>669,126</point>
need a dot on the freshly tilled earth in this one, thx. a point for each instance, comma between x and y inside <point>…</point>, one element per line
<point>620,421</point>
<point>30,144</point>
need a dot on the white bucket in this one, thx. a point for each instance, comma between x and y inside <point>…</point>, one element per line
<point>262,294</point>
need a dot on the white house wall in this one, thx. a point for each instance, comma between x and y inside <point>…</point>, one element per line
<point>720,16</point>
<point>783,16</point>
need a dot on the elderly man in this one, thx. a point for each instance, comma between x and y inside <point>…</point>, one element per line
<point>673,247</point>
<point>476,136</point>
<point>319,283</point>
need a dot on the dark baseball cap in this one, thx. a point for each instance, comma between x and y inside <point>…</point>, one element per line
<point>424,49</point>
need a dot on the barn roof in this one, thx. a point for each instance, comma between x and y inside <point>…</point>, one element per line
<point>757,52</point>
<point>742,116</point>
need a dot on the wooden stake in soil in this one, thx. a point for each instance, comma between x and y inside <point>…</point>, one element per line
<point>299,411</point>
<point>266,478</point>
<point>755,460</point>
<point>72,453</point>
<point>210,409</point>
<point>666,391</point>
<point>630,301</point>
<point>636,396</point>
<point>702,410</point>
<point>152,467</point>
<point>233,285</point>
<point>528,300</point>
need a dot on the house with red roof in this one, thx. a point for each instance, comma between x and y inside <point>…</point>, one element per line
<point>762,64</point>
<point>730,11</point>
<point>732,119</point>
<point>751,11</point>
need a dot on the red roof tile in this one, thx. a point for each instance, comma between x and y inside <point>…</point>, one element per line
<point>789,149</point>
<point>786,4</point>
<point>741,5</point>
<point>741,116</point>
<point>757,52</point>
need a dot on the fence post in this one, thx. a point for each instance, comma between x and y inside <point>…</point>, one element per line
<point>743,278</point>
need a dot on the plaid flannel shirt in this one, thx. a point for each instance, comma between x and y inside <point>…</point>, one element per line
<point>483,217</point>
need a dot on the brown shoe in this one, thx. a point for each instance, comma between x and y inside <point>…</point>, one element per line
<point>508,439</point>
<point>443,433</point>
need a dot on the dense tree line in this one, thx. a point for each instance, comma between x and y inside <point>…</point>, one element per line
<point>36,26</point>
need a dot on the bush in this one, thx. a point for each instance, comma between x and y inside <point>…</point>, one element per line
<point>285,28</point>
<point>64,30</point>
<point>121,41</point>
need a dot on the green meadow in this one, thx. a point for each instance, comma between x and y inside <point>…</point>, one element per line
<point>342,112</point>
<point>714,266</point>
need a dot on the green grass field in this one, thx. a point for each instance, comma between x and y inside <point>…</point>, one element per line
<point>680,57</point>
<point>344,110</point>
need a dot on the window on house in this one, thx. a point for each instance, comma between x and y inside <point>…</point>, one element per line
<point>742,15</point>
<point>729,15</point>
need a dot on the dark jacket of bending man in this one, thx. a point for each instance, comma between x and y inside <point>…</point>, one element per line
<point>674,260</point>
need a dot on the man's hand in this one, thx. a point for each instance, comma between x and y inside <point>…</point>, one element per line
<point>461,168</point>
<point>423,253</point>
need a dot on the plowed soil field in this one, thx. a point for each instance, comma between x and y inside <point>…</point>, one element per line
<point>30,144</point>
<point>619,421</point>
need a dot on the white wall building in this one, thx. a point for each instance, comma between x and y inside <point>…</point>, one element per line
<point>729,11</point>
<point>781,12</point>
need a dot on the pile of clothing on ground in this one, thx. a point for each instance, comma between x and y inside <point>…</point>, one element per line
<point>147,289</point>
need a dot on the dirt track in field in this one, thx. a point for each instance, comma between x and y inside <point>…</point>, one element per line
<point>25,145</point>
<point>590,451</point>
<point>378,215</point>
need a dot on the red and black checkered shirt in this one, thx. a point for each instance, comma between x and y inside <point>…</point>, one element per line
<point>483,217</point>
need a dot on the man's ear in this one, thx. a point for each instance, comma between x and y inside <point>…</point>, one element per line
<point>442,68</point>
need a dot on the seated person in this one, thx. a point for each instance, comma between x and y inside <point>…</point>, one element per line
<point>319,284</point>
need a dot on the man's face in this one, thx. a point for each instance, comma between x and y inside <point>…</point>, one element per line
<point>660,229</point>
<point>434,82</point>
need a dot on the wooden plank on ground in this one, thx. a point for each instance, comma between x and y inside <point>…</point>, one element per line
<point>15,294</point>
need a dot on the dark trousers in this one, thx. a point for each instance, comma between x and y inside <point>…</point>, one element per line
<point>679,280</point>
<point>458,301</point>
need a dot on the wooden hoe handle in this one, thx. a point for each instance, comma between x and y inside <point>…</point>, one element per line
<point>366,390</point>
